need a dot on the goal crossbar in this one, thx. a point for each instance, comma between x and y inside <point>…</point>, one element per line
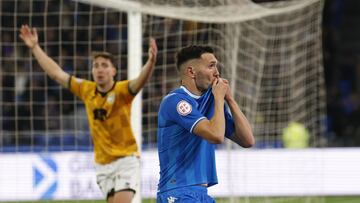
<point>240,11</point>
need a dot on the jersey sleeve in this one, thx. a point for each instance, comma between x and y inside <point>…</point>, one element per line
<point>229,122</point>
<point>182,111</point>
<point>78,87</point>
<point>122,89</point>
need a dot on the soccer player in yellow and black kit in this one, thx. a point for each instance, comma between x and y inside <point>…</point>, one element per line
<point>108,104</point>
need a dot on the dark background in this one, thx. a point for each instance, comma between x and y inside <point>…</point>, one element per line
<point>341,54</point>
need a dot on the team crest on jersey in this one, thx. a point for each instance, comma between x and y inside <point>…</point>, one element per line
<point>111,98</point>
<point>183,108</point>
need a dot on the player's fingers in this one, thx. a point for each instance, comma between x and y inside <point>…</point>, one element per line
<point>223,84</point>
<point>220,80</point>
<point>153,45</point>
<point>26,28</point>
<point>23,29</point>
<point>27,31</point>
<point>152,41</point>
<point>34,31</point>
<point>215,82</point>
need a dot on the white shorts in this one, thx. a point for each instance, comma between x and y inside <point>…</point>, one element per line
<point>121,174</point>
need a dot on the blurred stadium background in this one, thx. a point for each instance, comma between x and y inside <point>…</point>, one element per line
<point>294,68</point>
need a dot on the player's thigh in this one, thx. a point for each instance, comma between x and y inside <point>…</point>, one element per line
<point>124,196</point>
<point>127,175</point>
<point>119,175</point>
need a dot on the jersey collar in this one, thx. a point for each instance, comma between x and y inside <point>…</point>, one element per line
<point>189,93</point>
<point>103,94</point>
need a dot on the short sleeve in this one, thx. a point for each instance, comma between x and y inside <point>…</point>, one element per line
<point>182,111</point>
<point>79,87</point>
<point>122,89</point>
<point>229,122</point>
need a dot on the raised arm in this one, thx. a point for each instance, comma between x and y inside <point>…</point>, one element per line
<point>136,84</point>
<point>51,68</point>
<point>213,130</point>
<point>243,133</point>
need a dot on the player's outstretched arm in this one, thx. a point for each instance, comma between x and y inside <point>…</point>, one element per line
<point>136,84</point>
<point>30,38</point>
<point>243,135</point>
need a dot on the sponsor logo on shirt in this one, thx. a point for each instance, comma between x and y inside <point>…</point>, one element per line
<point>183,108</point>
<point>171,199</point>
<point>100,114</point>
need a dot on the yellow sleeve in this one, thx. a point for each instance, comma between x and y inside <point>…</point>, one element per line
<point>80,87</point>
<point>122,89</point>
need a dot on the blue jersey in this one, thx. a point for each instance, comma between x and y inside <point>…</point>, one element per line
<point>185,158</point>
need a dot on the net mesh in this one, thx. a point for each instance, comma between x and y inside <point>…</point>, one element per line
<point>271,54</point>
<point>36,113</point>
<point>274,64</point>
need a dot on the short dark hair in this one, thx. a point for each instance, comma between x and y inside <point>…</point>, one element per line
<point>191,52</point>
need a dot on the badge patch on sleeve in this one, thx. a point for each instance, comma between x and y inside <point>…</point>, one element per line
<point>78,80</point>
<point>183,108</point>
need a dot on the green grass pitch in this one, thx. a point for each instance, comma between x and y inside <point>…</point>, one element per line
<point>335,199</point>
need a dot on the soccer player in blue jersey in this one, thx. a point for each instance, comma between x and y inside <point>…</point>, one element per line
<point>191,121</point>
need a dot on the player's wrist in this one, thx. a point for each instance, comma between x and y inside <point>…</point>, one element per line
<point>34,46</point>
<point>229,98</point>
<point>152,59</point>
<point>219,100</point>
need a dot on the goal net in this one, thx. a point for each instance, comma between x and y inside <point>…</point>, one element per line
<point>270,52</point>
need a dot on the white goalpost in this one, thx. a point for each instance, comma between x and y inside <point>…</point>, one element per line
<point>271,53</point>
